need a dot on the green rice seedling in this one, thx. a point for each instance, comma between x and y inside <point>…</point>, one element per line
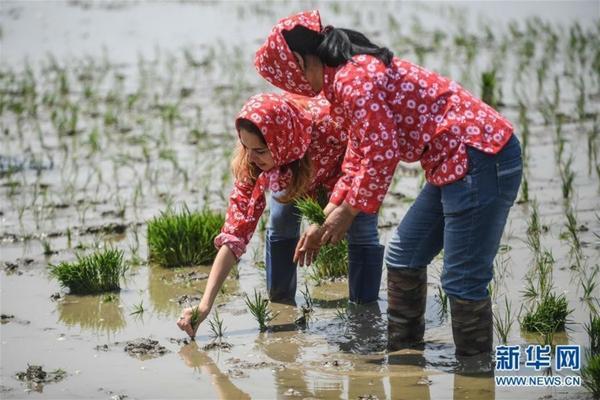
<point>488,88</point>
<point>592,145</point>
<point>216,326</point>
<point>184,238</point>
<point>524,122</point>
<point>332,260</point>
<point>442,299</point>
<point>307,308</point>
<point>95,273</point>
<point>550,314</point>
<point>138,309</point>
<point>572,230</point>
<point>311,210</point>
<point>589,283</point>
<point>534,229</point>
<point>504,323</point>
<point>567,175</point>
<point>195,317</point>
<point>259,308</point>
<point>47,248</point>
<point>524,198</point>
<point>342,314</point>
<point>590,374</point>
<point>593,330</point>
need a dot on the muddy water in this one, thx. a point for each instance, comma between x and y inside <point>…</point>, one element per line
<point>105,197</point>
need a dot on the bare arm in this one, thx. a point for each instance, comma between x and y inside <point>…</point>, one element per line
<point>223,263</point>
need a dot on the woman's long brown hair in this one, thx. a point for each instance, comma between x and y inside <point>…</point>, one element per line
<point>243,169</point>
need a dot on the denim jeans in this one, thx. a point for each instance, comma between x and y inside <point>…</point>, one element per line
<point>284,223</point>
<point>464,218</point>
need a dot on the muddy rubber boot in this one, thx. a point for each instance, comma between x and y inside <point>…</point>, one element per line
<point>472,327</point>
<point>407,296</point>
<point>364,273</point>
<point>281,270</point>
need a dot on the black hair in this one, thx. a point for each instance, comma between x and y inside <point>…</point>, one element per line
<point>334,46</point>
<point>248,126</point>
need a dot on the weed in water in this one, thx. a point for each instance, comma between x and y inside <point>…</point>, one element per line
<point>593,330</point>
<point>549,315</point>
<point>590,375</point>
<point>98,272</point>
<point>185,238</point>
<point>504,323</point>
<point>138,309</point>
<point>259,308</point>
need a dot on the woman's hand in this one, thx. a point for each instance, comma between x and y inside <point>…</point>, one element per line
<point>308,246</point>
<point>337,224</point>
<point>185,320</point>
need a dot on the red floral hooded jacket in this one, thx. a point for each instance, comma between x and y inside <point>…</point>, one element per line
<point>291,126</point>
<point>390,113</point>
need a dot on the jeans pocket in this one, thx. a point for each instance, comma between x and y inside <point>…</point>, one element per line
<point>509,174</point>
<point>460,196</point>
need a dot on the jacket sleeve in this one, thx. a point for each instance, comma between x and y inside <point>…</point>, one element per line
<point>246,205</point>
<point>372,153</point>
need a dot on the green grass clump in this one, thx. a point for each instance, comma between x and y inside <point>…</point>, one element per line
<point>332,261</point>
<point>98,272</point>
<point>185,238</point>
<point>259,308</point>
<point>549,315</point>
<point>593,330</point>
<point>590,375</point>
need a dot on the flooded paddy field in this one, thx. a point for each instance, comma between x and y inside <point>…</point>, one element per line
<point>113,112</point>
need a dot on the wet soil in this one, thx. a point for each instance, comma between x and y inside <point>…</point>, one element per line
<point>77,191</point>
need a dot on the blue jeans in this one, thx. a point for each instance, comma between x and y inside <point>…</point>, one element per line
<point>284,223</point>
<point>465,218</point>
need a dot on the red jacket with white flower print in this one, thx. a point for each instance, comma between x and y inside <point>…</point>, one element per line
<point>390,113</point>
<point>291,126</point>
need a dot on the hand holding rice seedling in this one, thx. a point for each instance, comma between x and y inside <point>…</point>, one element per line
<point>332,260</point>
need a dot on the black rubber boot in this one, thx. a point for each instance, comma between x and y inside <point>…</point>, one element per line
<point>472,327</point>
<point>407,296</point>
<point>364,273</point>
<point>281,270</point>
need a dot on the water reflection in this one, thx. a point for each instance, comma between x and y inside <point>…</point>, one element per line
<point>200,361</point>
<point>166,285</point>
<point>101,313</point>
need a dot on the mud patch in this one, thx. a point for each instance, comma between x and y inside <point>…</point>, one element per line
<point>14,267</point>
<point>240,364</point>
<point>36,377</point>
<point>6,318</point>
<point>187,277</point>
<point>218,345</point>
<point>145,348</point>
<point>184,341</point>
<point>186,298</point>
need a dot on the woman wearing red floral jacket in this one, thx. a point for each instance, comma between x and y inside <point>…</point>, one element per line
<point>392,110</point>
<point>290,145</point>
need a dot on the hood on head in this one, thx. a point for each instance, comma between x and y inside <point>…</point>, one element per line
<point>285,126</point>
<point>274,60</point>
